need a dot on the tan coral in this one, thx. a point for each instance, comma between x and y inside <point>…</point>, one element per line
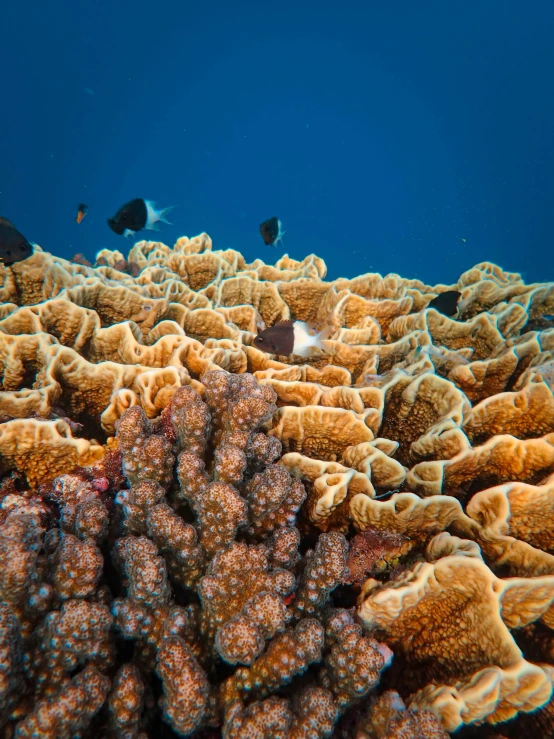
<point>70,324</point>
<point>481,333</point>
<point>335,484</point>
<point>384,357</point>
<point>511,318</point>
<point>454,599</point>
<point>318,432</point>
<point>374,458</point>
<point>406,513</point>
<point>525,414</point>
<point>500,459</point>
<point>486,377</point>
<point>303,297</point>
<point>333,487</point>
<point>541,370</point>
<point>515,526</point>
<point>27,383</point>
<point>425,415</point>
<point>348,310</point>
<point>199,270</point>
<point>43,449</point>
<point>489,271</point>
<point>245,317</point>
<point>329,376</point>
<point>298,393</point>
<point>264,296</point>
<point>537,300</point>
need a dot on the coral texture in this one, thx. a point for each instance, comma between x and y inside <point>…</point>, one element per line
<point>198,533</point>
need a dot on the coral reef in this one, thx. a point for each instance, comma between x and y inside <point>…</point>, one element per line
<point>199,534</point>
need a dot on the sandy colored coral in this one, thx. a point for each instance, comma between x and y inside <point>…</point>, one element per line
<point>500,459</point>
<point>514,526</point>
<point>43,449</point>
<point>453,599</point>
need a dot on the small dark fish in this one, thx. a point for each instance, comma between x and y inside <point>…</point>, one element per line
<point>134,269</point>
<point>292,337</point>
<point>271,231</point>
<point>120,265</point>
<point>14,247</point>
<point>446,303</point>
<point>81,259</point>
<point>82,210</point>
<point>136,215</point>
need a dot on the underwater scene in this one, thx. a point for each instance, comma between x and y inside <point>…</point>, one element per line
<point>277,370</point>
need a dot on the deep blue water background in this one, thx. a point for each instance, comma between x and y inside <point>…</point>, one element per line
<point>382,134</point>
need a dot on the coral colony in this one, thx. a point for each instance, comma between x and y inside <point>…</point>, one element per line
<point>202,539</point>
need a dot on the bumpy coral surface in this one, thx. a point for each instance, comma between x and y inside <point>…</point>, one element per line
<point>197,533</point>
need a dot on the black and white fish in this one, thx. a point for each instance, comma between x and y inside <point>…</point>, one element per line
<point>293,337</point>
<point>272,231</point>
<point>14,247</point>
<point>446,303</point>
<point>136,215</point>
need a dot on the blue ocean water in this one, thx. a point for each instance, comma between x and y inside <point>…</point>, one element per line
<point>407,137</point>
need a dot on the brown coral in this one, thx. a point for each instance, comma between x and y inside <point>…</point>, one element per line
<point>185,686</point>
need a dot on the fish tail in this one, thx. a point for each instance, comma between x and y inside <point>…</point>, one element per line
<point>321,340</point>
<point>163,213</point>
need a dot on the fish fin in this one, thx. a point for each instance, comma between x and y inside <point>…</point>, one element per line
<point>307,351</point>
<point>153,226</point>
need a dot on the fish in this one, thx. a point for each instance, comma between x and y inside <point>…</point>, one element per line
<point>80,259</point>
<point>446,303</point>
<point>82,210</point>
<point>292,337</point>
<point>14,247</point>
<point>428,349</point>
<point>136,215</point>
<point>272,231</point>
